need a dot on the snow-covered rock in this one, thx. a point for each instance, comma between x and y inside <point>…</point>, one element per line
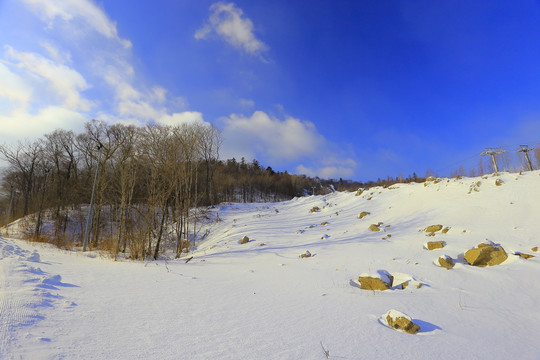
<point>486,255</point>
<point>446,261</point>
<point>401,322</point>
<point>432,245</point>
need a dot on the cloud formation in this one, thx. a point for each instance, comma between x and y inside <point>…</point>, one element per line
<point>287,139</point>
<point>65,82</point>
<point>44,89</point>
<point>186,117</point>
<point>282,142</point>
<point>228,22</point>
<point>70,10</point>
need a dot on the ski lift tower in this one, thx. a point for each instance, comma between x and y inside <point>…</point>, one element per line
<point>525,150</point>
<point>492,152</point>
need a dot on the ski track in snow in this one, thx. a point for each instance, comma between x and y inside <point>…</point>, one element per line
<point>26,293</point>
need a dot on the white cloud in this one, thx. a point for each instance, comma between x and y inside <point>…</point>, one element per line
<point>73,10</point>
<point>66,82</point>
<point>186,117</point>
<point>285,142</point>
<point>280,140</point>
<point>228,22</point>
<point>14,88</point>
<point>56,54</point>
<point>21,124</point>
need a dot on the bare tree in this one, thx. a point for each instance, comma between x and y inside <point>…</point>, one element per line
<point>24,158</point>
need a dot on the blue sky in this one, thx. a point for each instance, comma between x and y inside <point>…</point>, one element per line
<point>352,89</point>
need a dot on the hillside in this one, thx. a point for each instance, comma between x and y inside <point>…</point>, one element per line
<point>262,300</point>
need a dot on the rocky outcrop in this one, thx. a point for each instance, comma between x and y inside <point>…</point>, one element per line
<point>486,255</point>
<point>401,322</point>
<point>433,228</point>
<point>244,240</point>
<point>373,283</point>
<point>431,245</point>
<point>446,262</point>
<point>363,214</point>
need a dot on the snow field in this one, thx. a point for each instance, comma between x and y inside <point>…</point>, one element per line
<point>234,301</point>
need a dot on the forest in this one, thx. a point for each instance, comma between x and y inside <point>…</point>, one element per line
<point>151,185</point>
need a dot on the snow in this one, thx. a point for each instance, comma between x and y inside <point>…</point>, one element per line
<point>247,301</point>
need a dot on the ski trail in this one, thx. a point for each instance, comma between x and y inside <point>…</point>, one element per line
<point>13,311</point>
<point>25,290</point>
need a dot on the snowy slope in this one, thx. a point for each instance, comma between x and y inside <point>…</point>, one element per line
<point>255,301</point>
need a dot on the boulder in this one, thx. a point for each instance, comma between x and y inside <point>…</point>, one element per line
<point>373,283</point>
<point>433,228</point>
<point>244,240</point>
<point>446,262</point>
<point>374,227</point>
<point>445,230</point>
<point>525,256</point>
<point>363,214</point>
<point>535,249</point>
<point>305,255</point>
<point>499,182</point>
<point>401,322</point>
<point>431,245</point>
<point>315,209</point>
<point>486,255</point>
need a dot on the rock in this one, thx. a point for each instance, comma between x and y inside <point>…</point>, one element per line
<point>359,191</point>
<point>433,228</point>
<point>373,283</point>
<point>431,245</point>
<point>244,240</point>
<point>363,214</point>
<point>499,182</point>
<point>315,209</point>
<point>324,223</point>
<point>525,256</point>
<point>374,227</point>
<point>305,255</point>
<point>446,262</point>
<point>445,230</point>
<point>486,255</point>
<point>535,249</point>
<point>401,322</point>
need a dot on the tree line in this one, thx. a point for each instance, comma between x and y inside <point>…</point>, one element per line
<point>151,185</point>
